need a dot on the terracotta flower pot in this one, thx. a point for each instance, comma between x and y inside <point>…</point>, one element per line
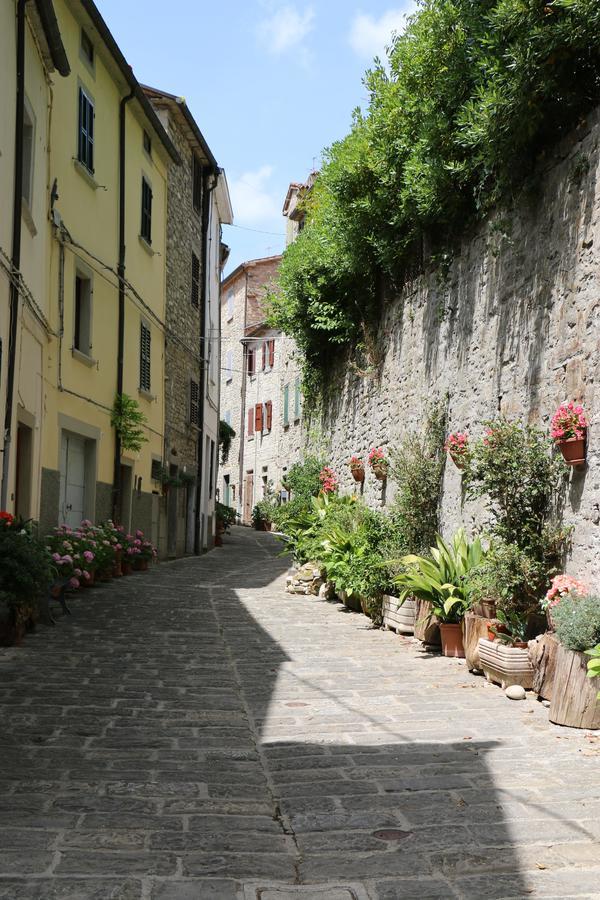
<point>452,640</point>
<point>358,473</point>
<point>380,471</point>
<point>573,450</point>
<point>116,570</point>
<point>141,565</point>
<point>126,567</point>
<point>494,628</point>
<point>458,460</point>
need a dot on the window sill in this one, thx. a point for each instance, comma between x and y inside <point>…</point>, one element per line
<point>86,174</point>
<point>147,247</point>
<point>83,357</point>
<point>147,395</point>
<point>28,218</point>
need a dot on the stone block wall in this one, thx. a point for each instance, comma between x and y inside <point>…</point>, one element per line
<point>513,328</point>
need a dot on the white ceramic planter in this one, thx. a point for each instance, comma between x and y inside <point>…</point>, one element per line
<point>398,616</point>
<point>505,665</point>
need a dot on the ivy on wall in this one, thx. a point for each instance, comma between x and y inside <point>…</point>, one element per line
<point>473,93</point>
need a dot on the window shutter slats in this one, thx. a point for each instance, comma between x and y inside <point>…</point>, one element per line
<point>250,422</point>
<point>145,339</point>
<point>269,414</point>
<point>264,356</point>
<point>271,353</point>
<point>250,361</point>
<point>286,405</point>
<point>195,280</point>
<point>258,418</point>
<point>194,403</point>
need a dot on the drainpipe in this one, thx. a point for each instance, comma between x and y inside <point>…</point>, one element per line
<point>16,252</point>
<point>121,273</point>
<point>242,450</point>
<point>207,189</point>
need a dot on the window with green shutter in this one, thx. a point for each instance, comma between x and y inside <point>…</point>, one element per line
<point>297,400</point>
<point>286,405</point>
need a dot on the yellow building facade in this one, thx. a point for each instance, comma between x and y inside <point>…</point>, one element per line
<point>106,280</point>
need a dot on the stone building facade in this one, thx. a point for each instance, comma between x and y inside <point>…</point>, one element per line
<point>251,396</point>
<point>513,329</point>
<point>197,204</point>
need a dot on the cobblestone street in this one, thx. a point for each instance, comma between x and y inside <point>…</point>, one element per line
<point>195,732</point>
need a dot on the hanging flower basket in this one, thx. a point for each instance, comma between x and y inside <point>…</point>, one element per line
<point>378,462</point>
<point>569,433</point>
<point>357,468</point>
<point>457,448</point>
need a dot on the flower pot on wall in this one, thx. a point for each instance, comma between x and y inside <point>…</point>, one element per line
<point>380,471</point>
<point>452,640</point>
<point>358,474</point>
<point>573,450</point>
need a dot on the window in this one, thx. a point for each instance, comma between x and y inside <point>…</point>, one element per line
<point>28,151</point>
<point>146,229</point>
<point>269,414</point>
<point>286,405</point>
<point>144,357</point>
<point>82,314</point>
<point>156,470</point>
<point>87,48</point>
<point>197,184</point>
<point>271,348</point>
<point>195,280</point>
<point>227,417</point>
<point>230,305</point>
<point>85,147</point>
<point>194,403</point>
<point>258,418</point>
<point>147,143</point>
<point>251,422</point>
<point>251,360</point>
<point>229,365</point>
<point>297,396</point>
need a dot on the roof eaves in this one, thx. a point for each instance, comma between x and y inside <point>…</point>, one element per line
<point>191,122</point>
<point>49,23</point>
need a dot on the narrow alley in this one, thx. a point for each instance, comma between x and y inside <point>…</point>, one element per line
<point>196,732</point>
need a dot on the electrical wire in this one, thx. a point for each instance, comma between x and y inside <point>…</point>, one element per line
<point>15,277</point>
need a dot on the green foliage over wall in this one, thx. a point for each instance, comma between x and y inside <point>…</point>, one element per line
<point>476,89</point>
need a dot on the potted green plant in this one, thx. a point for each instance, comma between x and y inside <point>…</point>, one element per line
<point>561,586</point>
<point>26,574</point>
<point>594,663</point>
<point>574,699</point>
<point>441,582</point>
<point>569,433</point>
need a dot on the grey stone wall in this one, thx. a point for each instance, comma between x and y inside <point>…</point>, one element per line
<point>512,328</point>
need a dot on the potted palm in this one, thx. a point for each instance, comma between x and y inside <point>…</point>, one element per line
<point>440,581</point>
<point>569,433</point>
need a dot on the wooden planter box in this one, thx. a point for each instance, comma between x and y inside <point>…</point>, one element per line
<point>574,698</point>
<point>474,628</point>
<point>505,665</point>
<point>542,653</point>
<point>426,629</point>
<point>399,617</point>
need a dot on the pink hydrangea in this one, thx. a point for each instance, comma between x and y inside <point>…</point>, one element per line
<point>88,555</point>
<point>74,582</point>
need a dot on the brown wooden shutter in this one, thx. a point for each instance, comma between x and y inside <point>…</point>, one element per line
<point>271,353</point>
<point>269,414</point>
<point>250,422</point>
<point>258,418</point>
<point>250,361</point>
<point>264,356</point>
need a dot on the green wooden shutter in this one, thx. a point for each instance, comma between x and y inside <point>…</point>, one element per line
<point>286,405</point>
<point>297,399</point>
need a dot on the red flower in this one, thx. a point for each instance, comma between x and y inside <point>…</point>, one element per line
<point>7,518</point>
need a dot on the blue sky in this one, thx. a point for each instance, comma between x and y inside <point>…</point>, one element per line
<point>270,83</point>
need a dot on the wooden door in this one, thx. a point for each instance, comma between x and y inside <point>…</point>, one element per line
<point>248,497</point>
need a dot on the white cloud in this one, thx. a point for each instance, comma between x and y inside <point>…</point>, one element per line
<point>285,27</point>
<point>370,36</point>
<point>252,202</point>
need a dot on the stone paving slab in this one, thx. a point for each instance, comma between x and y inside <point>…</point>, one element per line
<point>195,733</point>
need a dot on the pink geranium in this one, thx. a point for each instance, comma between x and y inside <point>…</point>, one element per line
<point>561,586</point>
<point>328,479</point>
<point>355,462</point>
<point>457,444</point>
<point>568,422</point>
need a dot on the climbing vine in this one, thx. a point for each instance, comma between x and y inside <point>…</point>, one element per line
<point>473,92</point>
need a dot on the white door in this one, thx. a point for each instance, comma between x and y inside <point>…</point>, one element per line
<point>72,480</point>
